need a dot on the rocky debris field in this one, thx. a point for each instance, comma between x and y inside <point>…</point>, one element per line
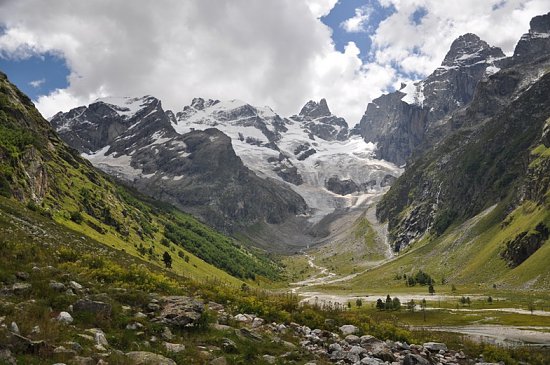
<point>167,322</point>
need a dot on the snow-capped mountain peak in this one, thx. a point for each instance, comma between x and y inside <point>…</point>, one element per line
<point>314,110</point>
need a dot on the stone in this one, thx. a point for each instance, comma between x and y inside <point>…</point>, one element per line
<point>269,359</point>
<point>219,361</point>
<point>413,359</point>
<point>167,334</point>
<point>36,330</point>
<point>358,350</point>
<point>19,288</point>
<point>243,332</point>
<point>21,275</point>
<point>80,360</point>
<point>334,347</point>
<point>153,307</point>
<point>229,345</point>
<point>75,286</point>
<point>352,339</point>
<point>148,358</point>
<point>14,328</point>
<point>371,361</point>
<point>90,306</point>
<point>65,352</point>
<point>140,315</point>
<point>257,322</point>
<point>348,329</point>
<point>435,346</point>
<point>242,318</point>
<point>65,318</point>
<point>69,292</point>
<point>174,347</point>
<point>57,286</point>
<point>134,326</point>
<point>99,336</point>
<point>180,311</point>
<point>381,351</point>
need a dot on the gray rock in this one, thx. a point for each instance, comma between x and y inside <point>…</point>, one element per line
<point>381,351</point>
<point>413,359</point>
<point>352,339</point>
<point>80,360</point>
<point>180,311</point>
<point>57,286</point>
<point>371,361</point>
<point>75,286</point>
<point>19,288</point>
<point>257,322</point>
<point>269,359</point>
<point>334,347</point>
<point>65,318</point>
<point>148,358</point>
<point>90,306</point>
<point>14,328</point>
<point>167,334</point>
<point>348,329</point>
<point>435,346</point>
<point>174,347</point>
<point>229,345</point>
<point>21,275</point>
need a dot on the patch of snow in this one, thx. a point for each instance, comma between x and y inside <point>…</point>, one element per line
<point>414,94</point>
<point>118,166</point>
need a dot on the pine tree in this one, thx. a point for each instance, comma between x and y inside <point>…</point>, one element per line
<point>167,259</point>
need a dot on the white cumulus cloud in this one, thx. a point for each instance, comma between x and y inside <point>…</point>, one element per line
<point>359,22</point>
<point>269,52</point>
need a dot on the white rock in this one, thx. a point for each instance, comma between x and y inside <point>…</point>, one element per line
<point>65,317</point>
<point>174,347</point>
<point>74,285</point>
<point>348,329</point>
<point>14,328</point>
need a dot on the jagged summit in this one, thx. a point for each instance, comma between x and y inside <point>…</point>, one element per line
<point>536,42</point>
<point>469,49</point>
<point>313,109</point>
<point>201,104</point>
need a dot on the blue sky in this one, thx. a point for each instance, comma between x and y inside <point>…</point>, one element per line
<point>269,52</point>
<point>37,75</point>
<point>371,11</point>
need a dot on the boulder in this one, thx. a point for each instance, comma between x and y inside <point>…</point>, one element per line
<point>148,358</point>
<point>229,345</point>
<point>348,329</point>
<point>174,347</point>
<point>352,339</point>
<point>180,311</point>
<point>20,288</point>
<point>413,359</point>
<point>91,306</point>
<point>435,346</point>
<point>57,286</point>
<point>74,285</point>
<point>65,317</point>
<point>219,361</point>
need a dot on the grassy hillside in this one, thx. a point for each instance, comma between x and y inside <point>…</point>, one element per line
<point>40,171</point>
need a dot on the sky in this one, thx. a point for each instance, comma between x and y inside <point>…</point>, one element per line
<point>279,53</point>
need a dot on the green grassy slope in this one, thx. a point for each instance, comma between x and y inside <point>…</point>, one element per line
<point>39,170</point>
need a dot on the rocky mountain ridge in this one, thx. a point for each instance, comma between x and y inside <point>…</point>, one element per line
<point>489,158</point>
<point>307,158</point>
<point>133,139</point>
<point>401,122</point>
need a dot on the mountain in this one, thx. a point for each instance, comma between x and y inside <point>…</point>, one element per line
<point>42,173</point>
<point>495,161</point>
<point>402,121</point>
<point>295,172</point>
<point>133,139</point>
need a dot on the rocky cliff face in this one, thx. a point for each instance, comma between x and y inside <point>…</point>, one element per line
<point>487,160</point>
<point>133,139</point>
<point>400,122</point>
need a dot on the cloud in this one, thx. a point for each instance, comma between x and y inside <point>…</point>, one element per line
<point>359,22</point>
<point>37,83</point>
<point>400,40</point>
<point>271,52</point>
